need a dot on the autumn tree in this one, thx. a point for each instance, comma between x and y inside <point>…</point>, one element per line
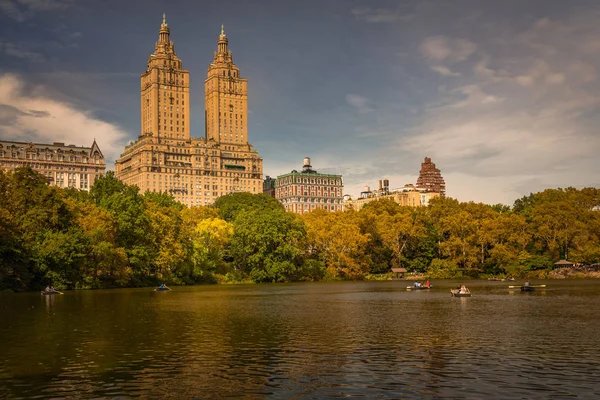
<point>339,243</point>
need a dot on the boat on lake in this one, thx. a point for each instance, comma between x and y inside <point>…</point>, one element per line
<point>162,288</point>
<point>458,293</point>
<point>50,292</point>
<point>422,287</point>
<point>527,287</point>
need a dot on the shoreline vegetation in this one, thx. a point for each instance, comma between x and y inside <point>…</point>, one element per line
<point>114,236</point>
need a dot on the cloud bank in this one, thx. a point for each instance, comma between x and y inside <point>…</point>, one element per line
<point>28,114</point>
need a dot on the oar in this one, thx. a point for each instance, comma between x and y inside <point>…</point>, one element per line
<point>533,286</point>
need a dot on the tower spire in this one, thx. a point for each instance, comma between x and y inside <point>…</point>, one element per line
<point>222,44</point>
<point>163,35</point>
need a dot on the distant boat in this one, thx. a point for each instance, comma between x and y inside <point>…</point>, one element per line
<point>457,293</point>
<point>162,289</point>
<point>422,287</point>
<point>527,288</point>
<point>49,292</point>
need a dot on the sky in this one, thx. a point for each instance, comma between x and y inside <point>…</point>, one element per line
<point>503,96</point>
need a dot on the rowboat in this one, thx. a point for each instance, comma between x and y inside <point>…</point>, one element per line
<point>457,293</point>
<point>49,292</point>
<point>419,287</point>
<point>529,288</point>
<point>162,289</point>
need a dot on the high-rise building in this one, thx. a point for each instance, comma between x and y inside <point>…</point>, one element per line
<point>165,92</point>
<point>65,166</point>
<point>166,157</point>
<point>430,178</point>
<point>304,191</point>
<point>225,98</point>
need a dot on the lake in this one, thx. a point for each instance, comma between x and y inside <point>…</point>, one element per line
<point>305,340</point>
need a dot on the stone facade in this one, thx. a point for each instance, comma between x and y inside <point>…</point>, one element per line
<point>165,157</point>
<point>308,190</point>
<point>430,178</point>
<point>269,186</point>
<point>63,165</point>
<point>408,195</point>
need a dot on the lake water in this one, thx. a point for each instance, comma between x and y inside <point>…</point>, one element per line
<point>309,340</point>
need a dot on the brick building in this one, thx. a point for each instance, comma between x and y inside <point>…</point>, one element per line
<point>307,190</point>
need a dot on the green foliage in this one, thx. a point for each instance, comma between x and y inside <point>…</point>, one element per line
<point>443,269</point>
<point>114,236</point>
<point>231,205</point>
<point>266,245</point>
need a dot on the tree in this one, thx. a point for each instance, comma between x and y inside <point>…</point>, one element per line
<point>231,205</point>
<point>266,245</point>
<point>337,240</point>
<point>128,208</point>
<point>460,245</point>
<point>401,230</point>
<point>209,240</point>
<point>106,264</point>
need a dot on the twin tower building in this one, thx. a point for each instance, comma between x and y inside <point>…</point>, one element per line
<point>165,157</point>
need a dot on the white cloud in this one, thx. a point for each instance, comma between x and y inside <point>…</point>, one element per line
<point>555,79</point>
<point>39,118</point>
<point>522,118</point>
<point>359,102</point>
<point>524,80</point>
<point>440,69</point>
<point>443,48</point>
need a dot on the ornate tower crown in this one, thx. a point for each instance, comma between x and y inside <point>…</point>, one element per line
<point>226,98</point>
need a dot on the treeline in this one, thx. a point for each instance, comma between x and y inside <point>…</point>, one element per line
<point>116,237</point>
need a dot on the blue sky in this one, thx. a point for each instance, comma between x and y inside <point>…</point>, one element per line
<point>503,96</point>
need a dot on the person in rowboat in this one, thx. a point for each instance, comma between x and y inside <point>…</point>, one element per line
<point>526,284</point>
<point>463,289</point>
<point>428,284</point>
<point>417,284</point>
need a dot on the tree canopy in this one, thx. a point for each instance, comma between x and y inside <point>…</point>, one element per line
<point>114,236</point>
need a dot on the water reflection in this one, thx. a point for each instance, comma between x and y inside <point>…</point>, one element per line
<point>304,340</point>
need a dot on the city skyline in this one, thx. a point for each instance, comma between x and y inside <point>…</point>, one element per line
<point>503,97</point>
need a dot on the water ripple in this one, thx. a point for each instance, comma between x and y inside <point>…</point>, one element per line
<point>369,340</point>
